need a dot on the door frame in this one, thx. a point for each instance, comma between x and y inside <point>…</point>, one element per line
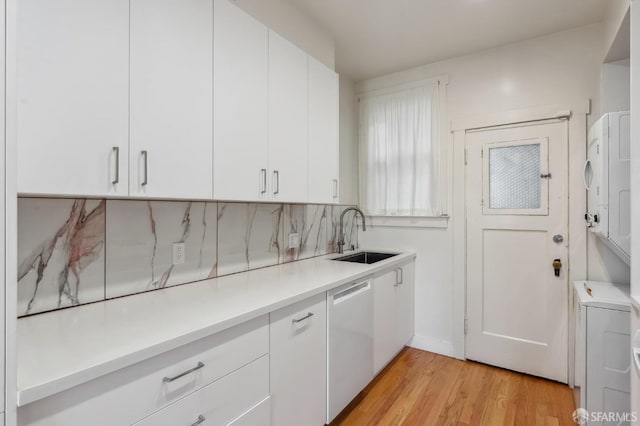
<point>576,113</point>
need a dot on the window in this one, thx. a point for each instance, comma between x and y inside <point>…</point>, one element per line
<point>400,151</point>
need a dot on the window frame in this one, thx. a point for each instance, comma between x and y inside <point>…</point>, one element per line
<point>439,221</point>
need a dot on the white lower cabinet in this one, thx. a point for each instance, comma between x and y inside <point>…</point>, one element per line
<point>269,370</point>
<point>393,306</point>
<point>298,353</point>
<point>258,415</point>
<point>221,402</point>
<point>132,393</point>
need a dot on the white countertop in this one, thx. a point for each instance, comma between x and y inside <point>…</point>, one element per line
<point>62,349</point>
<point>603,294</point>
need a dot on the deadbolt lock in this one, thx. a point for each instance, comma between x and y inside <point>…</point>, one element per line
<point>557,264</point>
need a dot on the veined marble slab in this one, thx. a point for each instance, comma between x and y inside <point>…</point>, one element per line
<point>249,236</point>
<point>140,242</point>
<point>60,253</point>
<point>310,223</point>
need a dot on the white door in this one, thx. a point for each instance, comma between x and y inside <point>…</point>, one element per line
<point>323,134</point>
<point>171,98</point>
<point>72,83</point>
<point>516,197</point>
<point>241,102</point>
<point>287,120</point>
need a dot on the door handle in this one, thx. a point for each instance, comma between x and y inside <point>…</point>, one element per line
<point>145,180</point>
<point>116,153</point>
<point>557,265</point>
<point>276,178</point>
<point>263,172</point>
<point>295,321</point>
<point>335,189</point>
<point>184,373</point>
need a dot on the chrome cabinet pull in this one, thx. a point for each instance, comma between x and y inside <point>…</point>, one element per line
<point>116,152</point>
<point>200,420</point>
<point>397,279</point>
<point>276,176</point>
<point>145,181</point>
<point>401,275</point>
<point>295,321</point>
<point>171,379</point>
<point>263,172</point>
<point>335,188</point>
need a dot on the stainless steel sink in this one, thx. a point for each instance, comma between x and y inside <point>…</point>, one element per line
<point>367,257</point>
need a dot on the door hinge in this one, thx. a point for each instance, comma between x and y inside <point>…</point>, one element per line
<point>482,153</point>
<point>466,325</point>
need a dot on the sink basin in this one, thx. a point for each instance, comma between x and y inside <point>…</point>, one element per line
<point>366,257</point>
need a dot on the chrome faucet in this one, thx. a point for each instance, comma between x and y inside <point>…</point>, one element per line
<point>341,235</point>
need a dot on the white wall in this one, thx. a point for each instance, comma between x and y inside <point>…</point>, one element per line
<point>615,15</point>
<point>559,69</point>
<point>348,142</point>
<point>616,86</point>
<point>289,21</point>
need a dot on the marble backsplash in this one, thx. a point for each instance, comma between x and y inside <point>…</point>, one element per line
<point>77,251</point>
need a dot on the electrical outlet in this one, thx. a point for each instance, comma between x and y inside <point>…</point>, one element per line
<point>294,240</point>
<point>179,254</point>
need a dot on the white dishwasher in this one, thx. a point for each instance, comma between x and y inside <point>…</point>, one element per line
<point>350,344</point>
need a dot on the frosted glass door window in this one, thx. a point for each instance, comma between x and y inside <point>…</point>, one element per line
<point>513,182</point>
<point>514,177</point>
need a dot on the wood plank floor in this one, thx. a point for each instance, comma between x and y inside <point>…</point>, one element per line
<point>422,388</point>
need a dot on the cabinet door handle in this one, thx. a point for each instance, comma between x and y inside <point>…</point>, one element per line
<point>295,321</point>
<point>116,152</point>
<point>263,172</point>
<point>200,420</point>
<point>171,379</point>
<point>145,180</point>
<point>397,279</point>
<point>276,177</point>
<point>335,188</point>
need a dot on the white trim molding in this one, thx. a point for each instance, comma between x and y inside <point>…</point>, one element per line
<point>408,221</point>
<point>429,344</point>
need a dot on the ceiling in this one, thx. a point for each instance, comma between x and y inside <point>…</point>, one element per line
<point>376,37</point>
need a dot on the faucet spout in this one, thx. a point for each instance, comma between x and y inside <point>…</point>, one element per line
<point>341,235</point>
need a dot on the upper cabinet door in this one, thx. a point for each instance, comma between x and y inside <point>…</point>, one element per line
<point>72,83</point>
<point>241,126</point>
<point>323,134</point>
<point>171,144</point>
<point>287,120</point>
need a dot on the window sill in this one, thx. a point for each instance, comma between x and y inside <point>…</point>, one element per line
<point>409,221</point>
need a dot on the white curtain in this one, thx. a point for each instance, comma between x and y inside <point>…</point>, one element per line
<point>399,152</point>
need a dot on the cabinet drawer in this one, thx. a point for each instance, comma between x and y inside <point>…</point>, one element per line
<point>220,402</point>
<point>260,415</point>
<point>130,394</point>
<point>298,335</point>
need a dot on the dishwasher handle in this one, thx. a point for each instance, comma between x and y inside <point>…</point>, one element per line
<point>351,291</point>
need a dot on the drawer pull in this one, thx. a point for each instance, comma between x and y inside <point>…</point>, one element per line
<point>309,315</point>
<point>200,420</point>
<point>171,379</point>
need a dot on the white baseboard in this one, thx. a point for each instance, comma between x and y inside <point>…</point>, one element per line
<point>429,344</point>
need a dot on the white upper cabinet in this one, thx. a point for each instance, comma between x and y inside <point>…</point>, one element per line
<point>171,143</point>
<point>241,114</point>
<point>323,163</point>
<point>287,120</point>
<point>73,79</point>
